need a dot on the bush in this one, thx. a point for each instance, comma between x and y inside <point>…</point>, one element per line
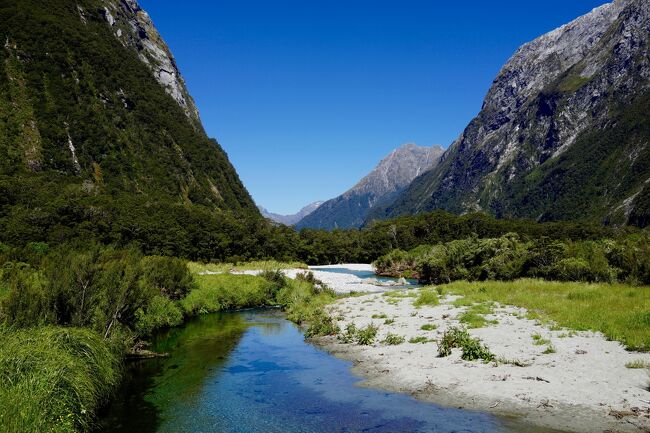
<point>393,339</point>
<point>169,275</point>
<point>321,325</point>
<point>460,338</point>
<point>160,313</point>
<point>349,335</point>
<point>366,336</point>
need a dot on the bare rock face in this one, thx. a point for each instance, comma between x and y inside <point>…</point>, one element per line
<point>390,177</point>
<point>134,28</point>
<point>563,132</point>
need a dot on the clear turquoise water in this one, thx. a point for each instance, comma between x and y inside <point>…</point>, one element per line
<point>253,372</point>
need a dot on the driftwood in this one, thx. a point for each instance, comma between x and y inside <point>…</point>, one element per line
<point>145,354</point>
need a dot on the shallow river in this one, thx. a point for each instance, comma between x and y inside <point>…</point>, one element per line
<point>252,372</point>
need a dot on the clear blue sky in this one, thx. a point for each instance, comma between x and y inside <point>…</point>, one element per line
<point>307,96</point>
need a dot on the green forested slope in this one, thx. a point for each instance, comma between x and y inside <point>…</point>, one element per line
<point>87,135</point>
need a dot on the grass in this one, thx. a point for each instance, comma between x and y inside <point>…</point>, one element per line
<point>638,364</point>
<point>269,265</point>
<point>227,292</point>
<point>427,297</point>
<point>393,339</point>
<point>53,379</point>
<point>606,308</point>
<point>420,339</point>
<point>366,336</point>
<point>538,340</point>
<point>379,316</point>
<point>474,316</point>
<point>460,338</point>
<point>389,321</point>
<point>429,327</point>
<point>515,362</point>
<point>549,349</point>
<point>400,294</point>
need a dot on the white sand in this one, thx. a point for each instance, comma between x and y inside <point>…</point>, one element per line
<point>579,388</point>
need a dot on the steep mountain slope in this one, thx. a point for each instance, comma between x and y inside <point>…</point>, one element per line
<point>290,220</point>
<point>95,117</point>
<point>563,133</point>
<point>392,174</point>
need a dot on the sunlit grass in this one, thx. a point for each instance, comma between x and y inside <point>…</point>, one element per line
<point>53,379</point>
<point>621,312</point>
<point>269,265</point>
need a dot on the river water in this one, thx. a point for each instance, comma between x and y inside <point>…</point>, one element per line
<point>251,372</point>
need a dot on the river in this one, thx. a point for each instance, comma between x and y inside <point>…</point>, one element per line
<point>252,371</point>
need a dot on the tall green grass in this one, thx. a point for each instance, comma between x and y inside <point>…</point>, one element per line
<point>621,312</point>
<point>228,292</point>
<point>268,265</point>
<point>52,379</point>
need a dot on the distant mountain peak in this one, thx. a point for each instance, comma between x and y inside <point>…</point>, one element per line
<point>389,177</point>
<point>562,133</point>
<point>290,220</point>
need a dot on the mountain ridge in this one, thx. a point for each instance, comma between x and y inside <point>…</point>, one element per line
<point>388,178</point>
<point>291,219</point>
<point>561,131</point>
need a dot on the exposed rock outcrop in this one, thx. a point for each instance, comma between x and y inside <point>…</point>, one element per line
<point>563,132</point>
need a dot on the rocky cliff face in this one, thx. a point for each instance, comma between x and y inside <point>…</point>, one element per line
<point>290,220</point>
<point>391,176</point>
<point>563,132</point>
<point>135,30</point>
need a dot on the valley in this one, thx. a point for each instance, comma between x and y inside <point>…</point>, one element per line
<point>499,284</point>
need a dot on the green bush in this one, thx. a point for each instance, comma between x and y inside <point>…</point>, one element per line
<point>366,336</point>
<point>349,335</point>
<point>393,339</point>
<point>160,313</point>
<point>321,325</point>
<point>460,338</point>
<point>169,275</point>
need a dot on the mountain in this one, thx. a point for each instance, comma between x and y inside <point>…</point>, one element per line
<point>564,131</point>
<point>96,125</point>
<point>290,220</point>
<point>393,173</point>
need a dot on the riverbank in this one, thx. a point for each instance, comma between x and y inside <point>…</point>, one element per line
<point>548,376</point>
<point>344,282</point>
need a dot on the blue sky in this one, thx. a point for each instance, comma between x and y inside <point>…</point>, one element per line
<point>307,96</point>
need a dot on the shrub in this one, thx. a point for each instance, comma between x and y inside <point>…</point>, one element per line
<point>321,325</point>
<point>460,338</point>
<point>170,276</point>
<point>160,313</point>
<point>366,336</point>
<point>349,335</point>
<point>393,339</point>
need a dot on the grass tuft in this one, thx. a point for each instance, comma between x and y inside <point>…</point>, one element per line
<point>393,339</point>
<point>638,364</point>
<point>53,379</point>
<point>427,297</point>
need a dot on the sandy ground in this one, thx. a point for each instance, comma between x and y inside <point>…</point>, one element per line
<point>583,387</point>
